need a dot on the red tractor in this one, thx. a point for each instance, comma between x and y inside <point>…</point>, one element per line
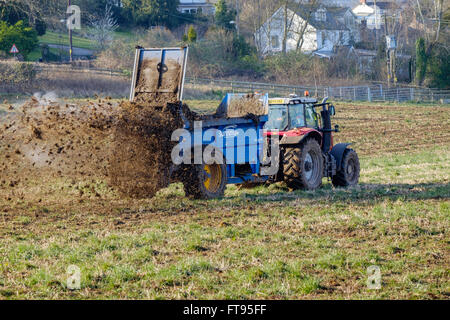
<point>307,151</point>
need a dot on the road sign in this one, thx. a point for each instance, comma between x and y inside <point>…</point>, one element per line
<point>14,49</point>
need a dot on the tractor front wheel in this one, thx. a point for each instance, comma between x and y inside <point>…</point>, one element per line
<point>206,181</point>
<point>303,166</point>
<point>348,175</point>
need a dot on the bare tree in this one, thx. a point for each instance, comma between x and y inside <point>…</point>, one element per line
<point>431,16</point>
<point>301,29</point>
<point>103,27</point>
<point>253,16</point>
<point>290,8</point>
<point>430,13</point>
<point>50,11</point>
<point>263,17</point>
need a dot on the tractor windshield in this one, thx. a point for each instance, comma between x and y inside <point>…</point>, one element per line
<point>278,118</point>
<point>297,115</point>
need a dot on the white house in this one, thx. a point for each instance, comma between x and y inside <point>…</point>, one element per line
<point>206,7</point>
<point>309,30</point>
<point>372,14</point>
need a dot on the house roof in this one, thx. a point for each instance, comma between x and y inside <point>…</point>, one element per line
<point>363,9</point>
<point>363,52</point>
<point>332,15</point>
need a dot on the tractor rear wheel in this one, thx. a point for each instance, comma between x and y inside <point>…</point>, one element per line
<point>303,166</point>
<point>206,181</point>
<point>348,175</point>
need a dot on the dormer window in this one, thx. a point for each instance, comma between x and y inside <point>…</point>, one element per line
<point>321,15</point>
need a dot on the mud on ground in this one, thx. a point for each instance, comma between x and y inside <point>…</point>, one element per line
<point>126,144</point>
<point>249,105</point>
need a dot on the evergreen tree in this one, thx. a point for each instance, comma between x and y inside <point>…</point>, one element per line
<point>25,38</point>
<point>148,13</point>
<point>421,61</point>
<point>439,68</point>
<point>192,34</point>
<point>224,16</point>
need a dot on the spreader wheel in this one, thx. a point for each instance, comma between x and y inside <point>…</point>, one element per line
<point>348,175</point>
<point>206,181</point>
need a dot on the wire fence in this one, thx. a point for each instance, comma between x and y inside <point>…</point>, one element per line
<point>372,92</point>
<point>369,93</point>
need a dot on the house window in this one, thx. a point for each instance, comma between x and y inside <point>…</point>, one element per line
<point>321,15</point>
<point>191,11</point>
<point>275,42</point>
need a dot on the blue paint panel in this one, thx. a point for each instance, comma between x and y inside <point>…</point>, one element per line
<point>240,140</point>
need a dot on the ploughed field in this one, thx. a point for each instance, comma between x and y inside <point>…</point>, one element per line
<point>262,243</point>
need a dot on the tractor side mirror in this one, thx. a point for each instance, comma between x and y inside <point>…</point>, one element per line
<point>332,110</point>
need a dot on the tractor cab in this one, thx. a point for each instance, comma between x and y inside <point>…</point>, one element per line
<point>287,114</point>
<point>307,151</point>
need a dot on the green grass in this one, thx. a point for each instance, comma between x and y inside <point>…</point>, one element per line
<point>260,243</point>
<point>35,55</point>
<point>124,35</point>
<point>59,38</point>
<point>62,38</point>
<point>257,243</point>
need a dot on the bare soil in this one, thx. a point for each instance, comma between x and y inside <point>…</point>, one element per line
<point>126,144</point>
<point>249,105</point>
<point>245,107</point>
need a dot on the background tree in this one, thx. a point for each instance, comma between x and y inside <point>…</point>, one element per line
<point>290,25</point>
<point>439,68</point>
<point>103,27</point>
<point>224,16</point>
<point>431,14</point>
<point>147,13</point>
<point>25,38</point>
<point>253,17</point>
<point>33,12</point>
<point>192,34</point>
<point>421,60</point>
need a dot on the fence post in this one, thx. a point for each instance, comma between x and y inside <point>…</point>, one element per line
<point>369,97</point>
<point>412,94</point>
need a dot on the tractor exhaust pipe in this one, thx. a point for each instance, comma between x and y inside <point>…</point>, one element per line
<point>326,125</point>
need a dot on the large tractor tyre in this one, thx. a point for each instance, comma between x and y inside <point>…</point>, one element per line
<point>348,175</point>
<point>303,166</point>
<point>206,181</point>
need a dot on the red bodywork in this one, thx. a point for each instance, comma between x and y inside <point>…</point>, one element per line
<point>297,132</point>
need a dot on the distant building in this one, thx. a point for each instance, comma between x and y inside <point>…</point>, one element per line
<point>326,27</point>
<point>206,7</point>
<point>340,3</point>
<point>373,12</point>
